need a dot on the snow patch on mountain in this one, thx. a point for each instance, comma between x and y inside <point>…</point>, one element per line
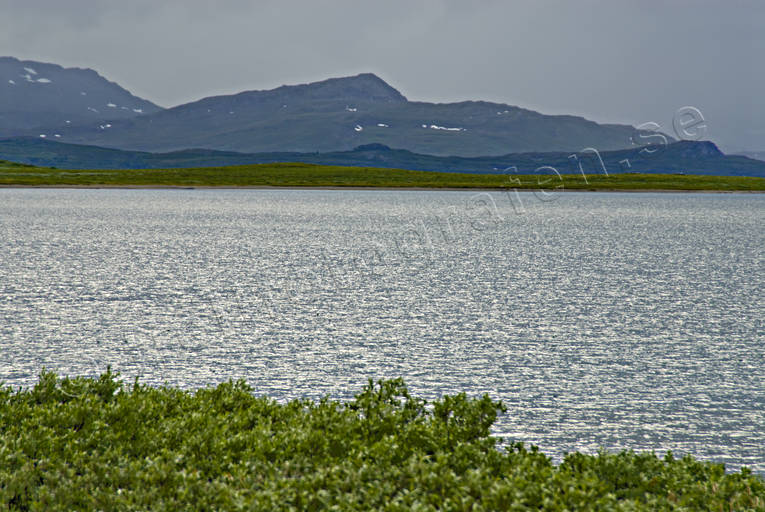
<point>444,128</point>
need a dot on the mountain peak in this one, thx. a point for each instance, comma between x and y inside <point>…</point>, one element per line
<point>45,98</point>
<point>694,149</point>
<point>361,87</point>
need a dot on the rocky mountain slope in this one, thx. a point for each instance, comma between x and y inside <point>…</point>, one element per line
<point>340,114</point>
<point>50,99</point>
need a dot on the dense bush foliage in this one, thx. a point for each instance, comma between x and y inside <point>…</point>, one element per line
<point>98,444</point>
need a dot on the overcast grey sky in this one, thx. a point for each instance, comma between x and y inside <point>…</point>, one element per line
<point>608,60</point>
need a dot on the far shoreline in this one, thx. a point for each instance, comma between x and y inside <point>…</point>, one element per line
<point>293,176</point>
<point>383,188</point>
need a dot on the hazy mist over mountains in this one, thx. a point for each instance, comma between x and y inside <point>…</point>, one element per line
<point>75,118</point>
<point>626,62</point>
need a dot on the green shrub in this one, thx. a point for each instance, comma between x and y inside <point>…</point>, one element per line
<point>99,444</point>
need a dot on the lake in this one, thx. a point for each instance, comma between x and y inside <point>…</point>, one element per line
<point>600,319</point>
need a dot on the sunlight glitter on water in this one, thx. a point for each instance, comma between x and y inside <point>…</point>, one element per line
<point>615,320</point>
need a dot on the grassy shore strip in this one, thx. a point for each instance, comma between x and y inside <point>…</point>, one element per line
<point>98,444</point>
<point>308,175</point>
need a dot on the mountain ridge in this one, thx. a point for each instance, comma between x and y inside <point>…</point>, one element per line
<point>335,114</point>
<point>45,96</point>
<point>703,158</point>
<point>257,121</point>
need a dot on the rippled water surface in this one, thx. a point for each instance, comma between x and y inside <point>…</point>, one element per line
<point>614,320</point>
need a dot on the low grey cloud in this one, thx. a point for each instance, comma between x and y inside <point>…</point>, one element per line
<point>611,61</point>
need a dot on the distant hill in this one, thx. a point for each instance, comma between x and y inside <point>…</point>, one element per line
<point>50,99</point>
<point>759,155</point>
<point>342,113</point>
<point>681,157</point>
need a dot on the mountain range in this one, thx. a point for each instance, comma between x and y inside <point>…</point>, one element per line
<point>338,114</point>
<point>72,117</point>
<point>681,157</point>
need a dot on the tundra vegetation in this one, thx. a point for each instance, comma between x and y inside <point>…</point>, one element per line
<point>310,175</point>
